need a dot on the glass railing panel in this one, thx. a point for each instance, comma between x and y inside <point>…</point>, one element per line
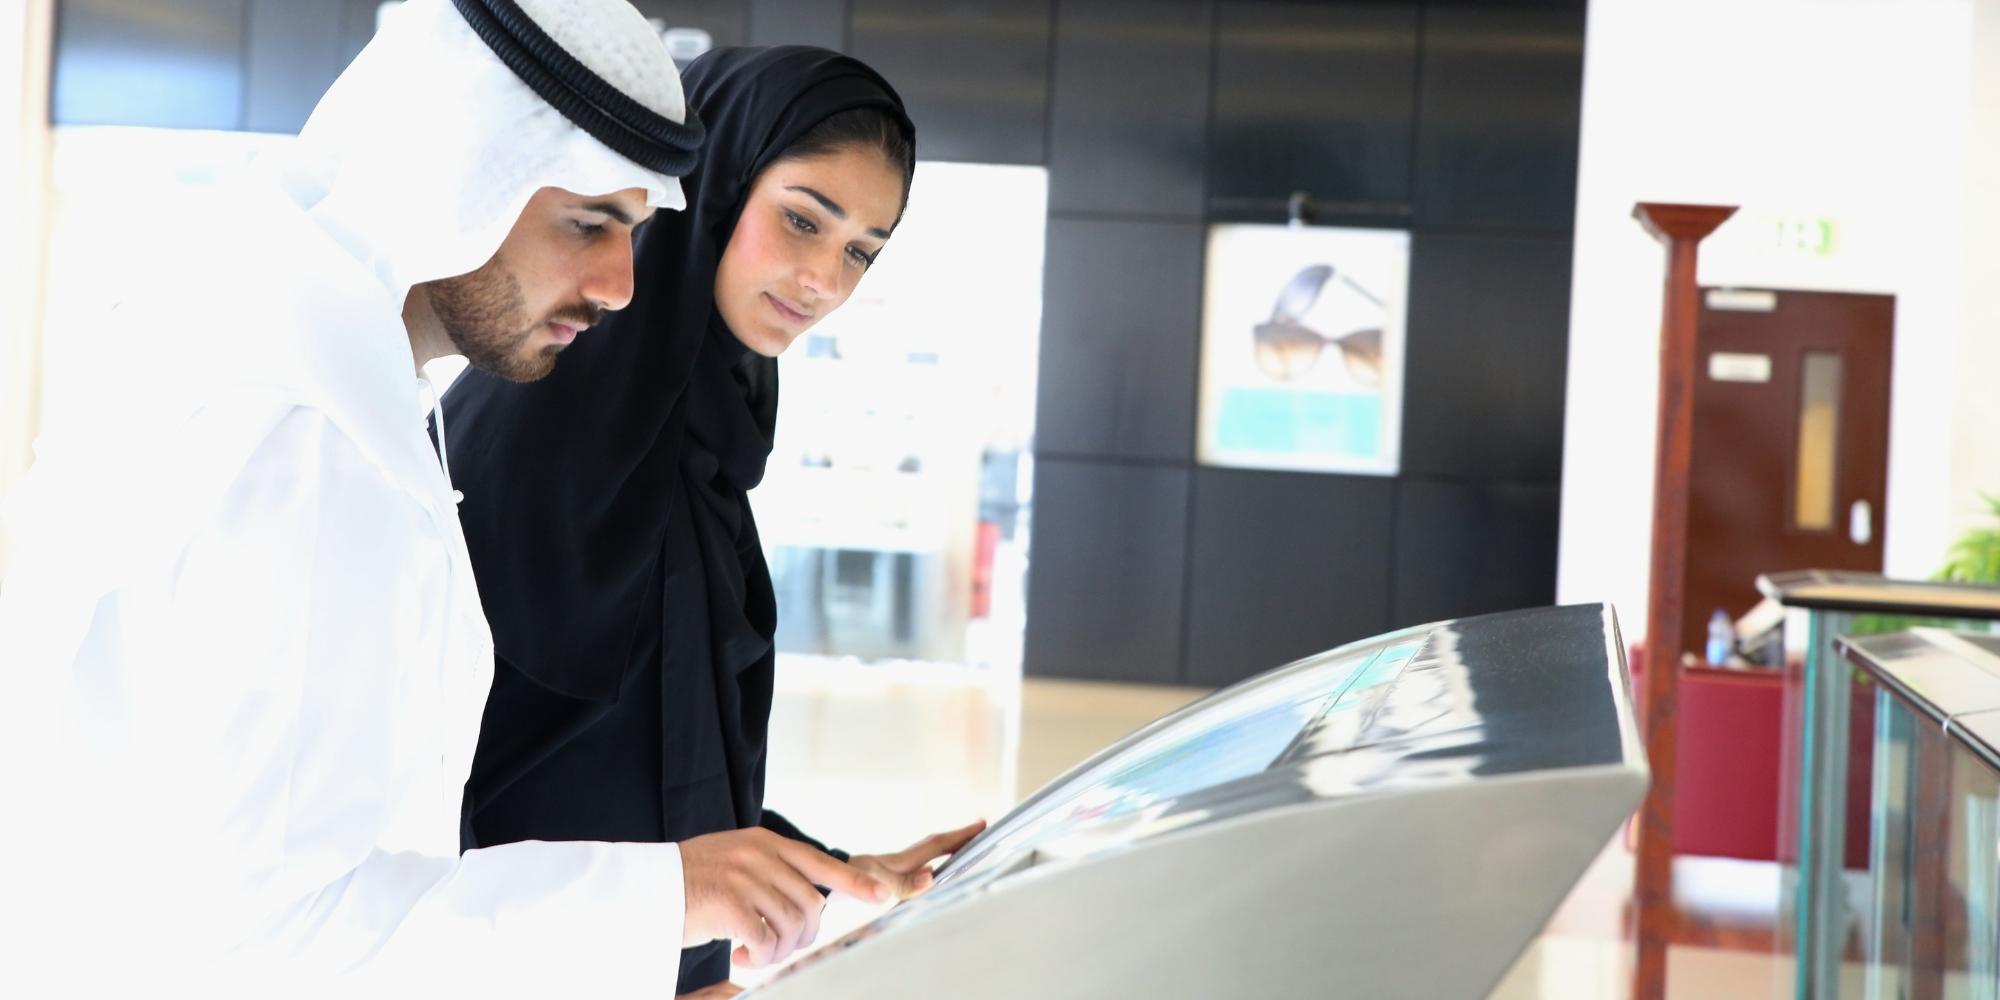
<point>1927,916</point>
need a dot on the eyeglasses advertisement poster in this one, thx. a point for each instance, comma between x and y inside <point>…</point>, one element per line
<point>1302,348</point>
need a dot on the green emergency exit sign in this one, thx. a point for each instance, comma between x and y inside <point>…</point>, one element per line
<point>1803,235</point>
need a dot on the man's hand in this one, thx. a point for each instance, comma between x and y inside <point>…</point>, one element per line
<point>908,872</point>
<point>717,991</point>
<point>761,890</point>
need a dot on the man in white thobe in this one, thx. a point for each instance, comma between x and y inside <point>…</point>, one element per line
<point>245,655</point>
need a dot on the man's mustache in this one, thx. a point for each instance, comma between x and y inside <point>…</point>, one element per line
<point>577,315</point>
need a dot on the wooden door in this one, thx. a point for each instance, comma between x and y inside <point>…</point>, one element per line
<point>1791,442</point>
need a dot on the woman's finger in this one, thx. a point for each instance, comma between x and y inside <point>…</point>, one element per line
<point>939,844</point>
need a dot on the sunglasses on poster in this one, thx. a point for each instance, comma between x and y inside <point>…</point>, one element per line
<point>1286,348</point>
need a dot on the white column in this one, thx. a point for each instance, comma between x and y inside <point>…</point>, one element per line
<point>1975,414</point>
<point>26,28</point>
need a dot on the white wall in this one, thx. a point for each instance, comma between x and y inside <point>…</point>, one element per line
<point>1975,427</point>
<point>1859,111</point>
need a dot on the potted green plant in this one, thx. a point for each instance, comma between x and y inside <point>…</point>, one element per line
<point>1974,558</point>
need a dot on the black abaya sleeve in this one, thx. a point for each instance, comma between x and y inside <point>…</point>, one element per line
<point>783,827</point>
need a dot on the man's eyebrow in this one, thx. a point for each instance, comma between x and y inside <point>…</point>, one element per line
<point>610,208</point>
<point>833,208</point>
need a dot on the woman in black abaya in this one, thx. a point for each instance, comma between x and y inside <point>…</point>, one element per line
<point>605,505</point>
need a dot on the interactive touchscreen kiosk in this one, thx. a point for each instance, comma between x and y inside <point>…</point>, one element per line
<point>1394,818</point>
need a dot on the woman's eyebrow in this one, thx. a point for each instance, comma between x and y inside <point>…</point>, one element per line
<point>833,208</point>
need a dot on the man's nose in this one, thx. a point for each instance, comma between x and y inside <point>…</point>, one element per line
<point>608,284</point>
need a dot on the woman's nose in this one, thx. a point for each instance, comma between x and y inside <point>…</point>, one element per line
<point>820,275</point>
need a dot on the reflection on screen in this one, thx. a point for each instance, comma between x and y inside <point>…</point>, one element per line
<point>1231,739</point>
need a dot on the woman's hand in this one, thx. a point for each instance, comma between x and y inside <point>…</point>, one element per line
<point>908,872</point>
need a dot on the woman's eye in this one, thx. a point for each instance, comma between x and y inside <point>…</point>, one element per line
<point>586,228</point>
<point>861,259</point>
<point>800,222</point>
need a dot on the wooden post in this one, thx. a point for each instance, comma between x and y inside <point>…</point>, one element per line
<point>1681,228</point>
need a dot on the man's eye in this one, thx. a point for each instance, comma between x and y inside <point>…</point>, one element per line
<point>586,228</point>
<point>800,222</point>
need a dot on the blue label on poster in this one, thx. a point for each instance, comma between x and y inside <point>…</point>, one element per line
<point>1290,422</point>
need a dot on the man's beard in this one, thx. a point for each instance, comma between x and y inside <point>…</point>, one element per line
<point>486,317</point>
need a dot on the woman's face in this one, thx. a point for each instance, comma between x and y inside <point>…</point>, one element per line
<point>808,232</point>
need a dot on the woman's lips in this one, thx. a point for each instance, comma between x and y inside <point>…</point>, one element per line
<point>790,312</point>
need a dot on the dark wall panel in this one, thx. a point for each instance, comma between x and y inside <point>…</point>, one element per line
<point>1499,111</point>
<point>1455,118</point>
<point>1105,575</point>
<point>726,21</point>
<point>295,52</point>
<point>1487,356</point>
<point>139,62</point>
<point>1129,111</point>
<point>1120,339</point>
<point>974,73</point>
<point>296,49</point>
<point>1316,97</point>
<point>356,29</point>
<point>1283,565</point>
<point>799,22</point>
<point>1472,548</point>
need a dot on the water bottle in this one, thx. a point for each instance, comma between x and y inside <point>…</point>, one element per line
<point>1721,638</point>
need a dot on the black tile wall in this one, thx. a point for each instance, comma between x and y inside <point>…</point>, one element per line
<point>118,62</point>
<point>1488,354</point>
<point>357,27</point>
<point>293,54</point>
<point>1456,119</point>
<point>799,22</point>
<point>1121,333</point>
<point>1106,571</point>
<point>1467,548</point>
<point>974,73</point>
<point>1283,565</point>
<point>726,21</point>
<point>1499,109</point>
<point>1314,97</point>
<point>1129,111</point>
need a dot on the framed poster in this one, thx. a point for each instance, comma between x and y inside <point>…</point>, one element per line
<point>1302,348</point>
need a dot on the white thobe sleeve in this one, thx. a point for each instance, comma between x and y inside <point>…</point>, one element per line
<point>289,722</point>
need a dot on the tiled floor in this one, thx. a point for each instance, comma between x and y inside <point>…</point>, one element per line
<point>870,758</point>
